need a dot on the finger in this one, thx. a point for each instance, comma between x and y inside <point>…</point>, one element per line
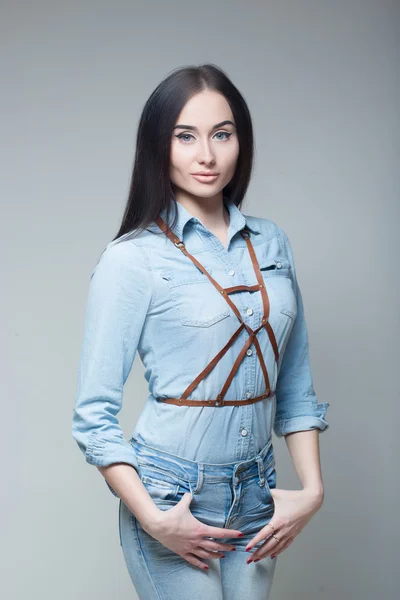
<point>207,553</point>
<point>268,547</point>
<point>218,546</point>
<point>193,560</point>
<point>220,532</point>
<point>277,549</point>
<point>280,550</point>
<point>264,533</point>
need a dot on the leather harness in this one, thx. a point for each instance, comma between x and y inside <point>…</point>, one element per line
<point>220,401</point>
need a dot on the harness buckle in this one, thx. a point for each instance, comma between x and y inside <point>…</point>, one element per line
<point>179,244</point>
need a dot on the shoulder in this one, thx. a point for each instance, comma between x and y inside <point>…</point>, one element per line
<point>122,257</point>
<point>267,227</point>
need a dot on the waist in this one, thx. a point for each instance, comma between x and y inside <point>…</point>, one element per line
<point>151,457</point>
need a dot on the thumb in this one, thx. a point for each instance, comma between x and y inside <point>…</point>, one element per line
<point>186,498</point>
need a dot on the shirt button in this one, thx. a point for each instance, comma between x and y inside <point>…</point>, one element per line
<point>232,272</point>
<point>249,311</point>
<point>279,265</point>
<point>248,394</point>
<point>244,432</point>
<point>249,352</point>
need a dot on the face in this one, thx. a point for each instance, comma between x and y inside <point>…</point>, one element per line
<point>204,139</point>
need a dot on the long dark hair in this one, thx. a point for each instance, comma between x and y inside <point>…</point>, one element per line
<point>151,189</point>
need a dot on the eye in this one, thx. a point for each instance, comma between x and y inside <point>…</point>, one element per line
<point>224,133</point>
<point>182,136</point>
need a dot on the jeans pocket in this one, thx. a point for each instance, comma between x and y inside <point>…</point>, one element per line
<point>163,486</point>
<point>160,486</point>
<point>269,483</point>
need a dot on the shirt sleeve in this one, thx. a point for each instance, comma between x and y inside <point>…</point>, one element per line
<point>118,300</point>
<point>297,407</point>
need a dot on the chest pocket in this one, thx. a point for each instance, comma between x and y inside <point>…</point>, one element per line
<point>198,302</point>
<point>277,276</point>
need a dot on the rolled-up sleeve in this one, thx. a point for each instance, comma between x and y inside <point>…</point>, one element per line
<point>297,407</point>
<point>118,300</point>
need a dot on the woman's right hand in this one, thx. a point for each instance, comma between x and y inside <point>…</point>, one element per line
<point>178,530</point>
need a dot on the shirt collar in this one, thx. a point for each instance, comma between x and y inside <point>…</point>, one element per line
<point>237,219</point>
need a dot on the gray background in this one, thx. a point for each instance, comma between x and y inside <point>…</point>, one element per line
<point>321,81</point>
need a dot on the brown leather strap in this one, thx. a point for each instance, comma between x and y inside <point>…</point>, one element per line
<point>219,401</point>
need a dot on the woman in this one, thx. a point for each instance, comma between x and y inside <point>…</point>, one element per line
<point>209,298</point>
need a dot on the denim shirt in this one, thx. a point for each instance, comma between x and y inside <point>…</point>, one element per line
<point>146,296</point>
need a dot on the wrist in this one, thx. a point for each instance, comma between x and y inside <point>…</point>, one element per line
<point>153,523</point>
<point>315,492</point>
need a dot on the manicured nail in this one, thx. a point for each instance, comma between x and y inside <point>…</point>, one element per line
<point>222,556</point>
<point>205,567</point>
<point>248,549</point>
<point>256,560</point>
<point>233,550</point>
<point>273,556</point>
<point>241,535</point>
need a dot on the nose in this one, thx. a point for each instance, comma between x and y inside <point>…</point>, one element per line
<point>205,156</point>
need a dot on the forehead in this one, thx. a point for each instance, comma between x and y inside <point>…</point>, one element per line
<point>205,109</point>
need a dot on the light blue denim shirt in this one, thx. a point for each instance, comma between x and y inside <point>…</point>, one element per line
<point>145,295</point>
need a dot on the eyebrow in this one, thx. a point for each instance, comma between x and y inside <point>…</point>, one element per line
<point>193,128</point>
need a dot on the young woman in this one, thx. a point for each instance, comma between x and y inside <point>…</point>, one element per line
<point>209,298</point>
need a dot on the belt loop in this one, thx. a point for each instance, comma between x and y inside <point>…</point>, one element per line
<point>260,463</point>
<point>200,477</point>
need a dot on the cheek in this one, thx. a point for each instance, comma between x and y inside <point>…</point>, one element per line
<point>229,156</point>
<point>180,160</point>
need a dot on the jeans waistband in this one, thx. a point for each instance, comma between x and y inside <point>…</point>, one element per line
<point>198,471</point>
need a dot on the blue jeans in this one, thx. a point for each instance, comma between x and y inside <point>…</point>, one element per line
<point>231,495</point>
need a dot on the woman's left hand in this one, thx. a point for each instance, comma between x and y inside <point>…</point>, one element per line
<point>293,510</point>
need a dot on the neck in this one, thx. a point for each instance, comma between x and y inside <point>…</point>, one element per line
<point>210,211</point>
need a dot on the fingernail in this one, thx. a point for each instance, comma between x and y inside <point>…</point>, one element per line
<point>273,556</point>
<point>241,535</point>
<point>256,560</point>
<point>205,567</point>
<point>248,549</point>
<point>249,561</point>
<point>222,556</point>
<point>233,549</point>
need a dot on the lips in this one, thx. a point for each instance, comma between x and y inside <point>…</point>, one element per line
<point>206,173</point>
<point>205,178</point>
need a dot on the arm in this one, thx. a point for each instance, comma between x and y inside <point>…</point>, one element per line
<point>303,448</point>
<point>297,407</point>
<point>118,301</point>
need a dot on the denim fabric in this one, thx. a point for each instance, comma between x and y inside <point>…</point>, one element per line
<point>146,296</point>
<point>232,495</point>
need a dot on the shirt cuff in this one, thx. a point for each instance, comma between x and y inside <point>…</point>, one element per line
<point>303,422</point>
